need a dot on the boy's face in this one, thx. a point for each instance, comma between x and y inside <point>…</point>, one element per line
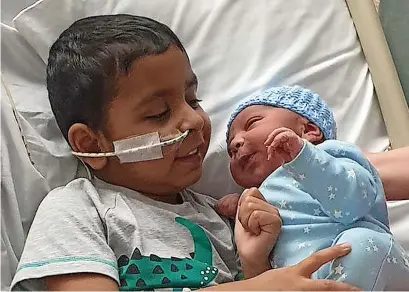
<point>249,130</point>
<point>159,95</point>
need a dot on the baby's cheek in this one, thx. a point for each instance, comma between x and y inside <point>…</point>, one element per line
<point>263,171</point>
<point>234,170</point>
<point>239,176</point>
<point>266,167</point>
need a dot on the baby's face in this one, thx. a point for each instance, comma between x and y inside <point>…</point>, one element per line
<point>159,95</point>
<point>248,154</point>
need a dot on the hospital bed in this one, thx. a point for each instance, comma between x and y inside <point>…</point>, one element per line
<point>236,48</point>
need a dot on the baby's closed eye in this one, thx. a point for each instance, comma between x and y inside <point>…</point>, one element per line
<point>252,122</point>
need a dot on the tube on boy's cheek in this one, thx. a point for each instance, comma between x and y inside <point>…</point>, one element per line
<point>150,146</point>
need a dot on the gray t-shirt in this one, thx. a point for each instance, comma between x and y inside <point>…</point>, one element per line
<point>95,227</point>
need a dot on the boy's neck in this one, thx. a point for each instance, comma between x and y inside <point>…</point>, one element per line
<point>170,199</point>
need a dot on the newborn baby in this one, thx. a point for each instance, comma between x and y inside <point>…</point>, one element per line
<point>283,142</point>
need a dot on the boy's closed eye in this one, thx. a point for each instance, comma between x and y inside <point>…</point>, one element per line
<point>194,103</point>
<point>162,116</point>
<point>190,93</point>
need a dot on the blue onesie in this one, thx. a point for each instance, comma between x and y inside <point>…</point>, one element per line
<point>331,194</point>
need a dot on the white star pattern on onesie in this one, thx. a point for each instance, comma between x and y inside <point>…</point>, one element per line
<point>324,205</point>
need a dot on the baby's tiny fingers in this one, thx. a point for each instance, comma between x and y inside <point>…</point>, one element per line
<point>279,140</point>
<point>272,135</point>
<point>287,146</point>
<point>270,152</point>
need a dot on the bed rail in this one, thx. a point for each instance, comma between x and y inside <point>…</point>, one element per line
<point>384,75</point>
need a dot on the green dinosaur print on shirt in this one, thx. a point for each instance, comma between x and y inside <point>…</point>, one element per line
<point>149,272</point>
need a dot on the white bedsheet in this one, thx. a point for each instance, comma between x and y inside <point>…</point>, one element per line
<point>22,189</point>
<point>236,48</point>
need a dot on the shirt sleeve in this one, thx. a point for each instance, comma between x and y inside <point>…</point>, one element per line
<point>67,236</point>
<point>339,177</point>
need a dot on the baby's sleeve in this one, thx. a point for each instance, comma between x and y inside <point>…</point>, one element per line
<point>337,175</point>
<point>67,236</point>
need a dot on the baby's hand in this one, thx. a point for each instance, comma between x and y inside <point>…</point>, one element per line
<point>227,206</point>
<point>284,143</point>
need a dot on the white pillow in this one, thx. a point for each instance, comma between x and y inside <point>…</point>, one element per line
<point>24,75</point>
<point>31,161</point>
<point>10,8</point>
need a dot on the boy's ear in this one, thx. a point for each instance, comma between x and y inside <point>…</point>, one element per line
<point>83,139</point>
<point>312,133</point>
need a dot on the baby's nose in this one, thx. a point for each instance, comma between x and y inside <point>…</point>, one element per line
<point>235,145</point>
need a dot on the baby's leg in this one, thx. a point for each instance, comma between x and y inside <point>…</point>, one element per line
<point>397,269</point>
<point>376,262</point>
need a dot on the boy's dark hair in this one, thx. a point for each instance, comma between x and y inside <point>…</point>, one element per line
<point>86,60</point>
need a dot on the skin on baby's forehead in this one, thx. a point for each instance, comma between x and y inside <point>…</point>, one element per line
<point>249,112</point>
<point>246,114</point>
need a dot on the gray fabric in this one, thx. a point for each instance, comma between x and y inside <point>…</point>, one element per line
<point>395,23</point>
<point>87,226</point>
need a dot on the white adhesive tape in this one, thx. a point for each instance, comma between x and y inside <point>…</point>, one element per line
<point>149,144</point>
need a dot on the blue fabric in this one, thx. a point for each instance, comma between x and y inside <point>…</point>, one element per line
<point>297,99</point>
<point>331,194</point>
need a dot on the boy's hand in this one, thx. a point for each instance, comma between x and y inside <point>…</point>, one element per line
<point>227,206</point>
<point>257,227</point>
<point>284,143</point>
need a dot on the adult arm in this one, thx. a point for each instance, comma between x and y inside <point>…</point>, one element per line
<point>393,168</point>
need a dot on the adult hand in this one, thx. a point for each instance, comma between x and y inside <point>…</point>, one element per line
<point>298,277</point>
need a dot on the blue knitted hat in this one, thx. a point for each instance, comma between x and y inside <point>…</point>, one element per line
<point>297,99</point>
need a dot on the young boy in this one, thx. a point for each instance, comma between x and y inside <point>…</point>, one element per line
<point>134,225</point>
<point>325,190</point>
<point>109,78</point>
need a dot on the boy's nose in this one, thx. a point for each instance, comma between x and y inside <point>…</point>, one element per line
<point>192,120</point>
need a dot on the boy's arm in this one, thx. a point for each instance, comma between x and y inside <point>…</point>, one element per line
<point>256,230</point>
<point>346,186</point>
<point>291,278</point>
<point>67,237</point>
<point>81,282</point>
<point>252,264</point>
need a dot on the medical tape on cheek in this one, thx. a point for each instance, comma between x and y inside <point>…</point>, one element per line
<point>149,148</point>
